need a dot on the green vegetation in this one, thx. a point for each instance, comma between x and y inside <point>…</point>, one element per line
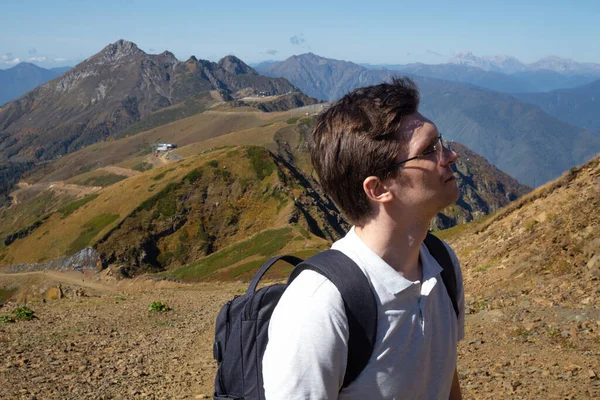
<point>103,180</point>
<point>162,174</point>
<point>91,229</point>
<point>261,161</point>
<point>24,313</point>
<point>22,233</point>
<point>164,201</point>
<point>213,163</point>
<point>291,121</point>
<point>193,175</point>
<point>158,306</point>
<point>143,166</point>
<point>72,207</point>
<point>263,245</point>
<point>5,319</point>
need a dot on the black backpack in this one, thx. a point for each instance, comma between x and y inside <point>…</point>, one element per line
<point>241,332</point>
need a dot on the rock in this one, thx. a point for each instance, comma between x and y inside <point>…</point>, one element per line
<point>476,341</point>
<point>529,326</point>
<point>591,374</point>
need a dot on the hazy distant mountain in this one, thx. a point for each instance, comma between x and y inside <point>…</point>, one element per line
<point>518,138</point>
<point>539,80</point>
<point>325,78</point>
<point>510,65</point>
<point>110,91</point>
<point>496,81</point>
<point>545,80</point>
<point>500,63</point>
<point>579,106</point>
<point>23,77</point>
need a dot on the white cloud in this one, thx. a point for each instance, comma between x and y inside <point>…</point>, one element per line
<point>37,59</point>
<point>9,59</point>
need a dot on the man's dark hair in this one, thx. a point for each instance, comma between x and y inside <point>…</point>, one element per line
<point>355,138</point>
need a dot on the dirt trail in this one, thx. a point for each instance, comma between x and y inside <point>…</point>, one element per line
<point>120,171</point>
<point>56,186</point>
<point>84,280</point>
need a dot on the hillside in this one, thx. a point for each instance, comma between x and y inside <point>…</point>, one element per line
<point>577,106</point>
<point>183,211</point>
<point>117,166</point>
<point>531,276</point>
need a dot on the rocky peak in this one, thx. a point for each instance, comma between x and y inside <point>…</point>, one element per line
<point>117,51</point>
<point>169,55</point>
<point>235,66</point>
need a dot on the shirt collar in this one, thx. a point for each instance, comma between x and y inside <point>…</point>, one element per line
<point>376,268</point>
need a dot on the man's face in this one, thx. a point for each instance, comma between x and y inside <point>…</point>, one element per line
<point>425,184</point>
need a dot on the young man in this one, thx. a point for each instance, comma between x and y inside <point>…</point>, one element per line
<point>385,166</point>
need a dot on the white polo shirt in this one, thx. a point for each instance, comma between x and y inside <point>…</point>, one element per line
<point>415,348</point>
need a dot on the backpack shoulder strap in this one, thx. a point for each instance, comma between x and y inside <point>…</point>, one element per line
<point>359,303</point>
<point>438,250</point>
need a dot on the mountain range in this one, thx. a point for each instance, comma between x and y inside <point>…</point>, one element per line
<point>503,73</point>
<point>112,90</point>
<point>517,137</point>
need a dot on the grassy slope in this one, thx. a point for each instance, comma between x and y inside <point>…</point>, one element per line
<point>86,221</point>
<point>55,236</point>
<point>190,130</point>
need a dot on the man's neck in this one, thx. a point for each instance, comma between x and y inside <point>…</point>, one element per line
<point>398,245</point>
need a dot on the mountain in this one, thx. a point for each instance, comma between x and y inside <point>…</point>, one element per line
<point>579,106</point>
<point>517,137</point>
<point>501,63</point>
<point>112,90</point>
<point>544,80</point>
<point>511,65</point>
<point>143,215</point>
<point>324,78</point>
<point>23,77</point>
<point>496,81</point>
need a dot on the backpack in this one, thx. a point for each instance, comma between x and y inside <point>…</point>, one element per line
<point>241,331</point>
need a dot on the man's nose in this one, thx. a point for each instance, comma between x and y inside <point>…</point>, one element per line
<point>449,156</point>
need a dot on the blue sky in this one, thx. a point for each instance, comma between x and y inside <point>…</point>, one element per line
<point>65,32</point>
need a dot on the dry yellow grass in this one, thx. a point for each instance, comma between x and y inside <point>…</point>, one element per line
<point>52,239</point>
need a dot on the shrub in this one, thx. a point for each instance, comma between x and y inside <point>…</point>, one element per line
<point>158,307</point>
<point>5,319</point>
<point>72,207</point>
<point>24,313</point>
<point>143,166</point>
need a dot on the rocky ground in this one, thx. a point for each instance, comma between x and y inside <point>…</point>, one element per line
<point>100,341</point>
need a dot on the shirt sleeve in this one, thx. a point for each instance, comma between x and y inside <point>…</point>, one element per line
<point>460,293</point>
<point>307,351</point>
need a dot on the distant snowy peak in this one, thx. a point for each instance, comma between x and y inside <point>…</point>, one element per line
<point>500,63</point>
<point>511,65</point>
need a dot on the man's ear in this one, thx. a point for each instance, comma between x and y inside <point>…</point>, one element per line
<point>376,191</point>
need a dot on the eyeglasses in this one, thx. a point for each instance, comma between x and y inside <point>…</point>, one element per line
<point>436,146</point>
